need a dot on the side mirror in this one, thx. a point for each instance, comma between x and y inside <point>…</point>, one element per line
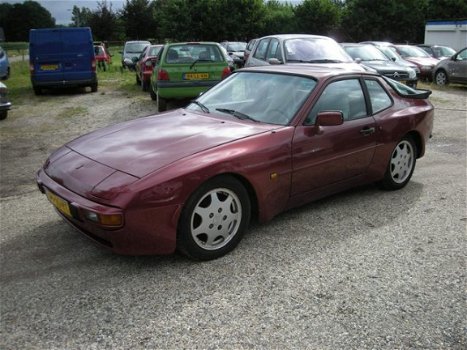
<point>332,118</point>
<point>393,59</point>
<point>274,61</point>
<point>358,60</point>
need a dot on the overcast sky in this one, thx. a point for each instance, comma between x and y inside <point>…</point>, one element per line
<point>61,9</point>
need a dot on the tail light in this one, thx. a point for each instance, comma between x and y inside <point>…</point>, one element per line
<point>148,63</point>
<point>226,72</point>
<point>93,64</point>
<point>162,75</point>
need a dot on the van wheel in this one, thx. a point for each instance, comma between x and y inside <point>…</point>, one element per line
<point>3,114</point>
<point>37,90</point>
<point>94,88</point>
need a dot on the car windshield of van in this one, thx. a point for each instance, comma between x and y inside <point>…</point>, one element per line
<point>135,47</point>
<point>314,50</point>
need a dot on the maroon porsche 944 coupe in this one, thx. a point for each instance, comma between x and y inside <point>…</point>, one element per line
<point>265,140</point>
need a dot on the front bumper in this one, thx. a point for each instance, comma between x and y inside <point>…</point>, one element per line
<point>146,231</point>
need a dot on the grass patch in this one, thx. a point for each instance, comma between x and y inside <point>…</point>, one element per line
<point>114,78</point>
<point>71,112</point>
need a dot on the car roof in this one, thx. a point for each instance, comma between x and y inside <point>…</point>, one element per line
<point>311,70</point>
<point>194,43</point>
<point>295,36</point>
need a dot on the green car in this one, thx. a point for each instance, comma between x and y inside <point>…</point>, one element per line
<point>184,70</point>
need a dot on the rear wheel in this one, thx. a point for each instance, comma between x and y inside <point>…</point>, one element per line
<point>138,80</point>
<point>3,114</point>
<point>401,165</point>
<point>94,87</point>
<point>145,85</point>
<point>214,219</point>
<point>161,103</point>
<point>37,90</point>
<point>152,93</point>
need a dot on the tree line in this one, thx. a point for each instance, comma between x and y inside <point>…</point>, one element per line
<point>217,20</point>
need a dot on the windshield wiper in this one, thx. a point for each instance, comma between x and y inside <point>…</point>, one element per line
<point>200,59</point>
<point>203,107</point>
<point>237,114</point>
<point>324,60</point>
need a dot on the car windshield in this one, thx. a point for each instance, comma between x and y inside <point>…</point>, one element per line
<point>319,50</point>
<point>412,51</point>
<point>257,96</point>
<point>389,52</point>
<point>154,50</point>
<point>365,53</point>
<point>443,51</point>
<point>135,47</point>
<point>236,46</point>
<point>187,53</point>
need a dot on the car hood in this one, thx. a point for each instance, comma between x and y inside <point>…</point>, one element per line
<point>145,145</point>
<point>385,65</point>
<point>423,61</point>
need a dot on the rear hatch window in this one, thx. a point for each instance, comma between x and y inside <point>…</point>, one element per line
<point>194,62</point>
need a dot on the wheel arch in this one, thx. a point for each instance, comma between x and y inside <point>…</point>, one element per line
<point>417,138</point>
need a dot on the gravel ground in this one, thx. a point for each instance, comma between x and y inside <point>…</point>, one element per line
<point>365,269</point>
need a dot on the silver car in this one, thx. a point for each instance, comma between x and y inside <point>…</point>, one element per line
<point>452,70</point>
<point>299,49</point>
<point>4,103</point>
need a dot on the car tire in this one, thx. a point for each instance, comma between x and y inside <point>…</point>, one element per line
<point>441,78</point>
<point>401,165</point>
<point>138,80</point>
<point>145,85</point>
<point>94,87</point>
<point>214,219</point>
<point>37,90</point>
<point>161,103</point>
<point>3,115</point>
<point>152,93</point>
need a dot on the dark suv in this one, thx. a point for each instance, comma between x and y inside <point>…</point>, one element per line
<point>370,56</point>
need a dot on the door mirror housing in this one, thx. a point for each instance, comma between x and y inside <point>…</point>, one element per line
<point>331,118</point>
<point>274,61</point>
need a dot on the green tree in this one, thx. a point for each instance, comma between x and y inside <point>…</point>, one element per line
<point>317,16</point>
<point>446,9</point>
<point>80,17</point>
<point>390,20</point>
<point>279,18</point>
<point>138,19</point>
<point>19,18</point>
<point>105,23</point>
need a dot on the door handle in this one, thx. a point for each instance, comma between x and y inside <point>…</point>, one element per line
<point>367,131</point>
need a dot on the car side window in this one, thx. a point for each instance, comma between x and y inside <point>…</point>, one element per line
<point>274,50</point>
<point>260,52</point>
<point>345,96</point>
<point>462,56</point>
<point>379,98</point>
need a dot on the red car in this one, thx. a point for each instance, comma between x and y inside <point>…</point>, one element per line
<point>191,179</point>
<point>145,64</point>
<point>103,58</point>
<point>420,58</point>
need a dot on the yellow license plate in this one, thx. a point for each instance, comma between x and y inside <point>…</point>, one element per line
<point>49,66</point>
<point>59,203</point>
<point>196,76</point>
